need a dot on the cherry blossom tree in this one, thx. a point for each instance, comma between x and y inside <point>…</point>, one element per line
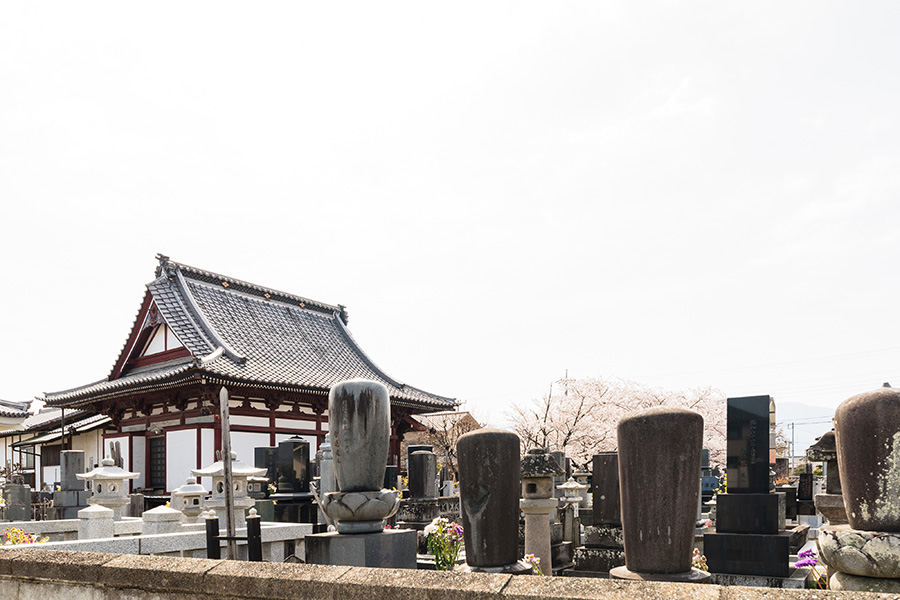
<point>580,415</point>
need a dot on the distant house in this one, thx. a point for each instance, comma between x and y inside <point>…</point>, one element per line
<point>439,430</point>
<point>34,446</point>
<point>12,414</point>
<point>278,355</point>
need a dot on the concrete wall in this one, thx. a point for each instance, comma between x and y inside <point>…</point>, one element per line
<point>29,573</point>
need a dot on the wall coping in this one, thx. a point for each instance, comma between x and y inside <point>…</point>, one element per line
<point>157,576</point>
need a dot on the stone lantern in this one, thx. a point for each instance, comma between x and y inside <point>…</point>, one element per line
<point>582,478</point>
<point>109,487</point>
<point>240,473</point>
<point>189,500</point>
<point>572,490</point>
<point>538,503</point>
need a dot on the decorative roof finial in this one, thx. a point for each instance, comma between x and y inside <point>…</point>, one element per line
<point>163,262</point>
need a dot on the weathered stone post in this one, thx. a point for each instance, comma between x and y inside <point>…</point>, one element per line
<point>659,459</point>
<point>489,497</point>
<point>538,470</point>
<point>865,554</point>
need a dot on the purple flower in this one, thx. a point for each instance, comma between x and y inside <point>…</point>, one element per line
<point>807,553</point>
<point>806,562</point>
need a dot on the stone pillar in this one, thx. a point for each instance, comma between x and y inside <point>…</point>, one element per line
<point>422,473</point>
<point>71,463</point>
<point>95,522</point>
<point>538,470</point>
<point>659,459</point>
<point>161,519</point>
<point>489,497</point>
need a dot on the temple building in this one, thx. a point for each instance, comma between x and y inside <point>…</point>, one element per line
<point>276,353</point>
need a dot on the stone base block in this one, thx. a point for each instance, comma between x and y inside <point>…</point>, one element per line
<point>864,553</point>
<point>603,536</point>
<point>392,549</point>
<point>517,568</point>
<point>418,510</point>
<point>748,554</point>
<point>750,513</point>
<point>832,508</point>
<point>562,556</point>
<point>692,576</point>
<point>797,580</point>
<point>71,498</point>
<point>598,559</point>
<point>855,583</point>
<point>799,536</point>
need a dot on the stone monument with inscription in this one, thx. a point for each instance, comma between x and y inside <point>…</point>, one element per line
<point>750,539</point>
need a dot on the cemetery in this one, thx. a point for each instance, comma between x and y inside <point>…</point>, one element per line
<point>519,515</point>
<point>216,473</point>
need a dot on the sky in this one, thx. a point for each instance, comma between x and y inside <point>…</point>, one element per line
<point>683,194</point>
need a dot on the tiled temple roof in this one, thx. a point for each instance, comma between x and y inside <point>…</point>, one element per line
<point>240,333</point>
<point>14,410</point>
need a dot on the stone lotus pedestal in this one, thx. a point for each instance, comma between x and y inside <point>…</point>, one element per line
<point>659,458</point>
<point>864,555</point>
<point>359,419</point>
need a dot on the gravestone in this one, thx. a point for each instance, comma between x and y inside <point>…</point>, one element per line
<point>604,547</point>
<point>417,511</point>
<point>659,461</point>
<point>266,457</point>
<point>489,469</point>
<point>359,416</point>
<point>18,500</point>
<point>750,539</point>
<point>71,496</point>
<point>864,554</point>
<point>805,487</point>
<point>831,502</point>
<point>293,466</point>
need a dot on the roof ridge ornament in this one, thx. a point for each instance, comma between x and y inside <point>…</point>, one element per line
<point>163,264</point>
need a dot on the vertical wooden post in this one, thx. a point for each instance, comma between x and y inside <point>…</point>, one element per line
<point>212,536</point>
<point>230,543</point>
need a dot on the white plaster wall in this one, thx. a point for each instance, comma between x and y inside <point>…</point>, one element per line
<point>139,461</point>
<point>251,421</point>
<point>207,454</point>
<point>244,444</point>
<point>181,456</point>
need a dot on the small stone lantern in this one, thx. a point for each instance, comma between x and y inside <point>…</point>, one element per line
<point>109,487</point>
<point>586,500</point>
<point>572,490</point>
<point>538,469</point>
<point>240,472</point>
<point>189,500</point>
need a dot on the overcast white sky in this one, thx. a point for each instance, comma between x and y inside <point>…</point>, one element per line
<point>679,193</point>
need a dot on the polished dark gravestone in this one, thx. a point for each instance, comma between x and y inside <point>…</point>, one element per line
<point>489,467</point>
<point>750,444</point>
<point>750,537</point>
<point>422,474</point>
<point>805,487</point>
<point>293,465</point>
<point>603,548</point>
<point>659,459</point>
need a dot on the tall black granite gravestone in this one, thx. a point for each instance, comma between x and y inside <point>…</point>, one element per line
<point>750,537</point>
<point>805,487</point>
<point>603,548</point>
<point>293,466</point>
<point>266,457</point>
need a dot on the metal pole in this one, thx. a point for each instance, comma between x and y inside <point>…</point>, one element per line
<point>230,543</point>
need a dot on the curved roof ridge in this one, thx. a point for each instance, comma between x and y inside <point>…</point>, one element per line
<point>183,268</point>
<point>194,310</point>
<point>369,362</point>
